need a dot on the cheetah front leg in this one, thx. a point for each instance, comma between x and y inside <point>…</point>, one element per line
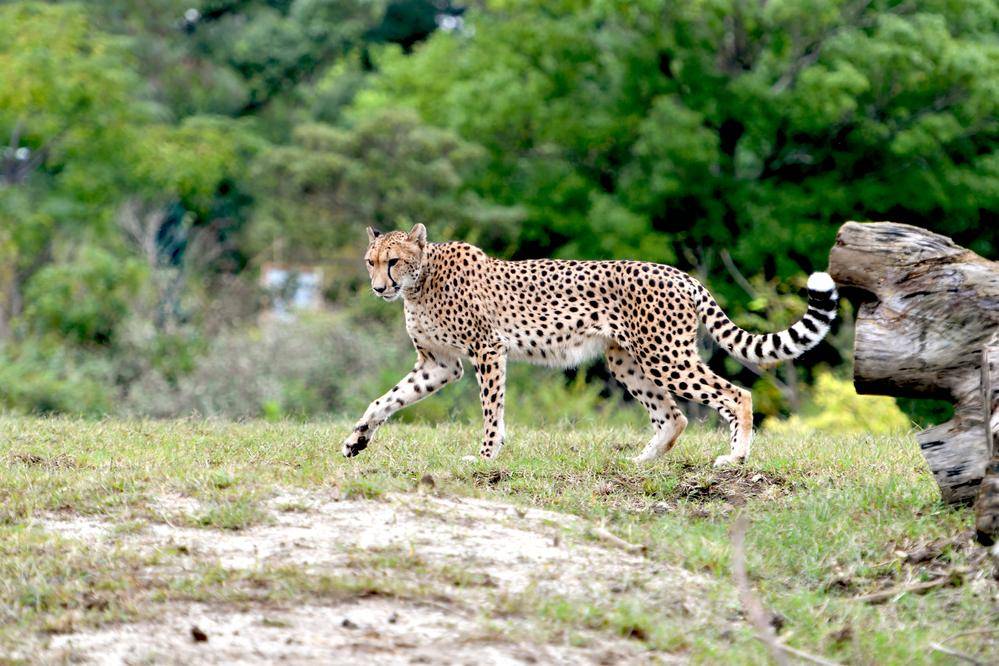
<point>490,370</point>
<point>427,376</point>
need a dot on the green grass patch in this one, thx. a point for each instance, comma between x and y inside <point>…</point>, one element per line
<point>832,517</point>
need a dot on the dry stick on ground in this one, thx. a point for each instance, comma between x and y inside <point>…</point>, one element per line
<point>972,632</point>
<point>884,595</point>
<point>615,540</point>
<point>754,609</point>
<point>936,647</point>
<point>942,647</point>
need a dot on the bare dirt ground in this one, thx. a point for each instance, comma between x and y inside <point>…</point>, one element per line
<point>484,559</point>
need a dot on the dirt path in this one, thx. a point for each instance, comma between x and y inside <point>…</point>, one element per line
<point>487,565</point>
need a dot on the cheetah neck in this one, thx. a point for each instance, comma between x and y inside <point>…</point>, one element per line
<point>414,291</point>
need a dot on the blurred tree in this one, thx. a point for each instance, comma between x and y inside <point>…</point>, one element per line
<point>184,208</point>
<point>409,22</point>
<point>66,113</point>
<point>274,46</point>
<point>389,170</point>
<point>720,123</point>
<point>82,299</point>
<point>83,139</point>
<point>675,131</point>
<point>730,137</point>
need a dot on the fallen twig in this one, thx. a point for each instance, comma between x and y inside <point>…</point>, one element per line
<point>972,632</point>
<point>805,656</point>
<point>754,609</point>
<point>884,595</point>
<point>954,653</point>
<point>613,539</point>
<point>750,604</point>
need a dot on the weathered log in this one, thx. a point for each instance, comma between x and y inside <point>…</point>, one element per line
<point>987,506</point>
<point>936,306</point>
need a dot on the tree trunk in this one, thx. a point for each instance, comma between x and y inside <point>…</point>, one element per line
<point>987,507</point>
<point>936,306</point>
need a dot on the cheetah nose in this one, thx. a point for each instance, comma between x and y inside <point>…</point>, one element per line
<point>379,289</point>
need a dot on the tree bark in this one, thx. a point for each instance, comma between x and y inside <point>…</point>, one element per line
<point>936,307</point>
<point>987,506</point>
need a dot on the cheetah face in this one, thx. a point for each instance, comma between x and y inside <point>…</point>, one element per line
<point>394,259</point>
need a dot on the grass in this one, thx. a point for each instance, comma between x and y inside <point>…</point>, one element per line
<point>832,518</point>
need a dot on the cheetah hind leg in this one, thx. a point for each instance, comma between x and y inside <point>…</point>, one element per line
<point>664,438</point>
<point>668,421</point>
<point>734,405</point>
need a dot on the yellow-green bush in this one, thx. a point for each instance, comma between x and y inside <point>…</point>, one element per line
<point>835,407</point>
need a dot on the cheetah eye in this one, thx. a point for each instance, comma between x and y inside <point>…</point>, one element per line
<point>370,263</point>
<point>392,262</point>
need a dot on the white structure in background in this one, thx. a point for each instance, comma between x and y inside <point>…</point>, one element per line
<point>292,289</point>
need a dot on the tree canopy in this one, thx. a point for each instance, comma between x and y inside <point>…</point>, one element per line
<point>154,150</point>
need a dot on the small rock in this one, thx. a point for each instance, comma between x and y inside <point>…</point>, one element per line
<point>348,624</point>
<point>198,635</point>
<point>393,618</point>
<point>428,481</point>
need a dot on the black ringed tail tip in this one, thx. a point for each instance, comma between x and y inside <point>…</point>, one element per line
<point>823,302</point>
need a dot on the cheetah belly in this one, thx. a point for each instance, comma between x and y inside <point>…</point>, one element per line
<point>566,354</point>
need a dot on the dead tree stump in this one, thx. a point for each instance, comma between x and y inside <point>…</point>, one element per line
<point>987,506</point>
<point>936,307</point>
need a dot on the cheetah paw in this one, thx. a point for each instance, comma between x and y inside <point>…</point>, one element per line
<point>354,444</point>
<point>728,461</point>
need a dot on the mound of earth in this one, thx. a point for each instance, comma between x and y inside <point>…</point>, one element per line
<point>486,566</point>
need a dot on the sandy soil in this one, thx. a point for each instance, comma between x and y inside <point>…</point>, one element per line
<point>362,631</point>
<point>506,549</point>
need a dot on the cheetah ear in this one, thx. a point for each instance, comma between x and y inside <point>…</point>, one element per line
<point>418,235</point>
<point>373,234</point>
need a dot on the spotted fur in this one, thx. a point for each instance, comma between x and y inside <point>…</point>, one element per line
<point>642,316</point>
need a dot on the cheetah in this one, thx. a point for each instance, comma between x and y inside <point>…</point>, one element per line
<point>642,316</point>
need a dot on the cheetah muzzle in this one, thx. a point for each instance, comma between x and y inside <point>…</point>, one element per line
<point>643,317</point>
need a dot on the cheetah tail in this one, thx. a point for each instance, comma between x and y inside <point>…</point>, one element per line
<point>781,346</point>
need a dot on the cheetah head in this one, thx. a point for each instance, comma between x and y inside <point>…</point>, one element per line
<point>394,260</point>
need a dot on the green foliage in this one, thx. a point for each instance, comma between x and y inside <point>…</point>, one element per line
<point>67,108</point>
<point>66,94</point>
<point>389,170</point>
<point>272,46</point>
<point>190,161</point>
<point>313,366</point>
<point>836,408</point>
<point>153,157</point>
<point>47,378</point>
<point>756,127</point>
<point>925,413</point>
<point>82,300</point>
